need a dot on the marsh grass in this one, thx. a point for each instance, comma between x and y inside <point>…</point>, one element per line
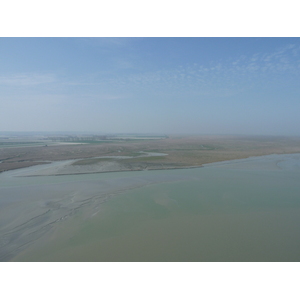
<point>90,161</point>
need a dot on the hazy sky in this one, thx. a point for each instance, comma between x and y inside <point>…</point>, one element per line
<point>151,85</point>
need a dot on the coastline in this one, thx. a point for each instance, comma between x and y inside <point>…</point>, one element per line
<point>60,168</point>
<point>174,152</point>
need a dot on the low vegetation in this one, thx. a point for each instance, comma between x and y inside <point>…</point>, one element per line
<point>182,150</point>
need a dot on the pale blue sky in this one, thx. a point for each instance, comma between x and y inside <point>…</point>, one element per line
<point>151,85</point>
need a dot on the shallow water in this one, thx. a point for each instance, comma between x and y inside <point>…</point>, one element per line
<point>243,210</point>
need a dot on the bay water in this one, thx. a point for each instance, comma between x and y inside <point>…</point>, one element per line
<point>242,210</point>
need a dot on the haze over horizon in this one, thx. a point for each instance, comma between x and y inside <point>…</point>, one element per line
<point>151,85</point>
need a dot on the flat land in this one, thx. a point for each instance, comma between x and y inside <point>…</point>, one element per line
<point>182,152</point>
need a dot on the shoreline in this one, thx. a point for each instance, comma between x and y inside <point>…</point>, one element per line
<point>116,171</point>
<point>166,167</point>
<point>174,152</point>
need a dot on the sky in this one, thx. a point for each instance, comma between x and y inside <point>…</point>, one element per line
<point>151,85</point>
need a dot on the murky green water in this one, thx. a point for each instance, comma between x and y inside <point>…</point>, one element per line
<point>246,210</point>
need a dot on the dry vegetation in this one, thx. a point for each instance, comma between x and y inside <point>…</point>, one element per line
<point>183,151</point>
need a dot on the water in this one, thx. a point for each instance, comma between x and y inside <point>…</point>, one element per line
<point>243,210</point>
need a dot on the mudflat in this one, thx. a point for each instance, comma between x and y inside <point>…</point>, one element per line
<point>125,155</point>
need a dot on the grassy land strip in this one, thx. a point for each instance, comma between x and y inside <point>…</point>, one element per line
<point>183,151</point>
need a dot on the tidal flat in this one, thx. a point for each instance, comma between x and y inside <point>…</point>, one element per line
<point>180,152</point>
<point>239,210</point>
